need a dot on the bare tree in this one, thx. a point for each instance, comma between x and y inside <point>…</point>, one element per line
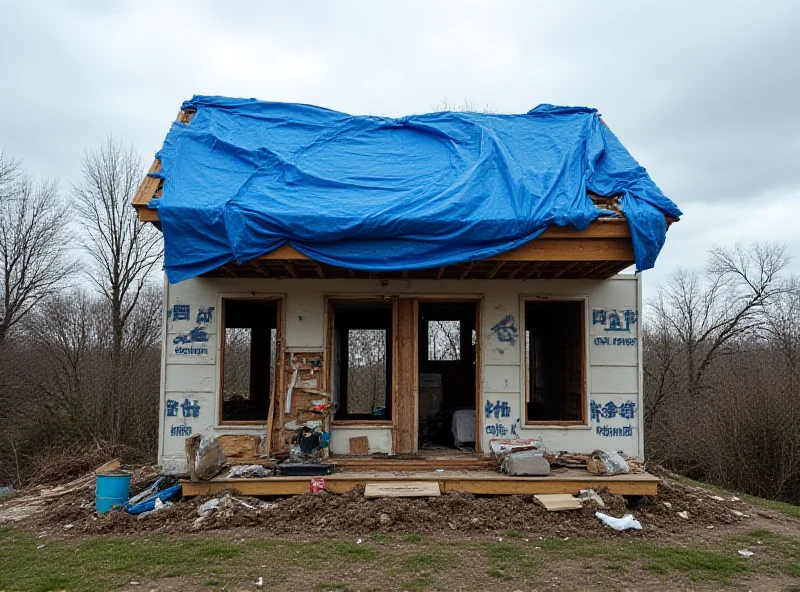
<point>467,106</point>
<point>34,239</point>
<point>695,318</point>
<point>124,250</point>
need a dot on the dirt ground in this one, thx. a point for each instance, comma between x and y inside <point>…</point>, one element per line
<point>460,515</point>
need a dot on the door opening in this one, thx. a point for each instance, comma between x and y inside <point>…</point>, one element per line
<point>447,376</point>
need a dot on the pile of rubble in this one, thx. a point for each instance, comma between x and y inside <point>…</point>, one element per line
<point>678,508</point>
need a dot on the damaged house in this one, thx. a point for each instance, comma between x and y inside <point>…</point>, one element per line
<point>419,287</point>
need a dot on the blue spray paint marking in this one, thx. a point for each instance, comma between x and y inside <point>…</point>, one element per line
<point>189,408</point>
<point>180,312</point>
<point>614,321</point>
<point>205,315</point>
<point>505,330</point>
<point>498,409</point>
<point>613,432</point>
<point>626,410</point>
<point>180,430</point>
<point>496,430</point>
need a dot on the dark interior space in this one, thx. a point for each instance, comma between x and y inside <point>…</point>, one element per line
<point>362,360</point>
<point>554,342</point>
<point>447,365</point>
<point>248,370</point>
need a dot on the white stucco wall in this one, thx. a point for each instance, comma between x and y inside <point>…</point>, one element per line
<point>190,372</point>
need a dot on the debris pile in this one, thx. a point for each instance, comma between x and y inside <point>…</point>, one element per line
<point>352,513</point>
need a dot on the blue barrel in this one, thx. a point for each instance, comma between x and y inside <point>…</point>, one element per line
<point>112,490</point>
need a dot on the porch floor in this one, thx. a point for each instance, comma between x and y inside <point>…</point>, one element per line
<point>482,482</point>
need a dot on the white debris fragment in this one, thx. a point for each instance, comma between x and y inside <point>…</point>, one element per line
<point>198,522</point>
<point>624,523</point>
<point>158,505</point>
<point>68,526</point>
<point>209,506</point>
<point>359,541</point>
<point>260,582</point>
<point>667,504</point>
<point>718,498</point>
<point>684,515</point>
<point>591,495</point>
<point>735,499</point>
<point>740,514</point>
<point>745,553</point>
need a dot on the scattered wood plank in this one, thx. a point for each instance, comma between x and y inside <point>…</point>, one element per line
<point>556,502</point>
<point>403,489</point>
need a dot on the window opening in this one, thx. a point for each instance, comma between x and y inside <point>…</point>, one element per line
<point>362,360</point>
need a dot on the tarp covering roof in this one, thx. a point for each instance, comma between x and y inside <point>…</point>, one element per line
<point>245,177</point>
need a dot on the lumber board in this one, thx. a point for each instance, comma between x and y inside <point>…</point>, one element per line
<point>475,482</point>
<point>402,489</point>
<point>556,502</point>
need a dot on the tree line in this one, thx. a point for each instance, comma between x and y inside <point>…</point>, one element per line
<point>80,327</point>
<point>79,316</point>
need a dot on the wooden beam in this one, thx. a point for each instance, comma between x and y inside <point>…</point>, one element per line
<point>229,271</point>
<point>475,482</point>
<point>564,270</point>
<point>290,268</point>
<point>261,268</point>
<point>151,185</point>
<point>320,271</point>
<point>470,265</point>
<point>497,267</point>
<point>440,273</point>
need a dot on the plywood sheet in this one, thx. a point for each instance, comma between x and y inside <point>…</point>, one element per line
<point>359,445</point>
<point>402,489</point>
<point>555,502</point>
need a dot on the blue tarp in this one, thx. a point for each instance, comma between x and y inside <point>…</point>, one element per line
<point>373,193</point>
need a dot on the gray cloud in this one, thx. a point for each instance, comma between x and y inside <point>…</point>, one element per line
<point>704,94</point>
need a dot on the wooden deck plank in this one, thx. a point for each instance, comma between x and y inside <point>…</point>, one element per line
<point>476,482</point>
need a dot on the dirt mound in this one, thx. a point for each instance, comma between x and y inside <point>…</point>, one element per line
<point>452,513</point>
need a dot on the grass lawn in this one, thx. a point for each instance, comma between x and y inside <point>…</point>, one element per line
<point>218,561</point>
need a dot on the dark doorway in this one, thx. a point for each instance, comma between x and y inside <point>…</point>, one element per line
<point>554,342</point>
<point>447,367</point>
<point>248,359</point>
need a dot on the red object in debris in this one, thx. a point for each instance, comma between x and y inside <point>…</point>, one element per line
<point>316,485</point>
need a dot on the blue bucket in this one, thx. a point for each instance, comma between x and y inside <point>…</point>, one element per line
<point>112,490</point>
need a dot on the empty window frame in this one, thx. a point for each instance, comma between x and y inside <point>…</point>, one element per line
<point>362,360</point>
<point>249,334</point>
<point>555,362</point>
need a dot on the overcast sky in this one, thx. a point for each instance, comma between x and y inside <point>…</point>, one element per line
<point>706,95</point>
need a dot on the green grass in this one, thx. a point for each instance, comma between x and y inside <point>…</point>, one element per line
<point>213,561</point>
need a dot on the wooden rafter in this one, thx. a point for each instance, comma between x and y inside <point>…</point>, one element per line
<point>493,271</point>
<point>440,272</point>
<point>261,268</point>
<point>470,265</point>
<point>320,271</point>
<point>290,268</point>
